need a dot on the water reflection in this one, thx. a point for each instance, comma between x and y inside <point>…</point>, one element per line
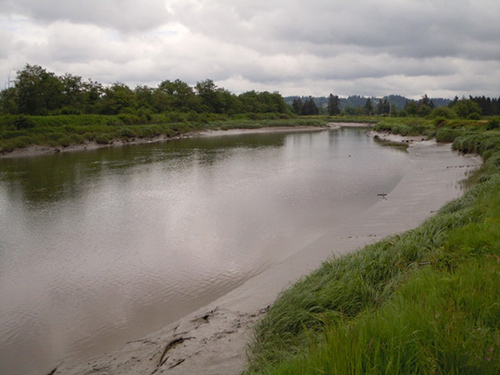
<point>99,248</point>
<point>66,176</point>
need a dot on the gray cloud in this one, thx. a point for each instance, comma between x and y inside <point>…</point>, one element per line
<point>123,15</point>
<point>369,47</point>
<point>406,28</point>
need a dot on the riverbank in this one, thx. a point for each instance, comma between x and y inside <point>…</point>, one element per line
<point>37,150</point>
<point>45,134</point>
<point>213,339</point>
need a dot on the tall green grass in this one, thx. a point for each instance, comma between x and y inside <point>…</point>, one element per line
<point>436,323</point>
<point>424,302</point>
<point>405,126</point>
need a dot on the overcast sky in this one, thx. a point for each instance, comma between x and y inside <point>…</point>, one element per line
<point>441,48</point>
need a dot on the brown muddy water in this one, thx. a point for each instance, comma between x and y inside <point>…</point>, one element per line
<point>103,247</point>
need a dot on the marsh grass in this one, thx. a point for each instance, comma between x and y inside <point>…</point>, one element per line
<point>65,130</point>
<point>405,126</point>
<point>424,302</point>
<point>436,323</point>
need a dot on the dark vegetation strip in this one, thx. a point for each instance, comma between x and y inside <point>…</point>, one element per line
<point>65,130</point>
<point>423,302</point>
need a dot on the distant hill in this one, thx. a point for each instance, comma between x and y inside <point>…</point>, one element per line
<point>359,101</point>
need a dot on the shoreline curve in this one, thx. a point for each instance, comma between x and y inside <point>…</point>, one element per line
<point>213,339</point>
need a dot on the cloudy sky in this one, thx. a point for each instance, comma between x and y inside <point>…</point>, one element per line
<point>347,47</point>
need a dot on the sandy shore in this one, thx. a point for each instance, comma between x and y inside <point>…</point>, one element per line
<point>213,339</point>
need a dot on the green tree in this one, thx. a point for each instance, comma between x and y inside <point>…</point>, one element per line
<point>333,106</point>
<point>393,110</point>
<point>352,111</point>
<point>38,92</point>
<point>178,96</point>
<point>144,97</point>
<point>207,92</point>
<point>297,106</point>
<point>411,108</point>
<point>118,98</point>
<point>214,99</point>
<point>272,102</point>
<point>73,92</point>
<point>368,107</point>
<point>309,108</point>
<point>250,102</point>
<point>8,101</point>
<point>426,101</point>
<point>92,93</point>
<point>383,107</point>
<point>466,107</point>
<point>261,102</point>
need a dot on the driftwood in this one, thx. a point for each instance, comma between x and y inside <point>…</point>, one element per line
<point>170,346</point>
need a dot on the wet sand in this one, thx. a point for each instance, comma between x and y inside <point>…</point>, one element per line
<point>213,340</point>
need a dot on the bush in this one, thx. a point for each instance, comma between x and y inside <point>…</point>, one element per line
<point>474,116</point>
<point>23,122</point>
<point>102,139</point>
<point>446,135</point>
<point>126,133</point>
<point>12,134</point>
<point>56,137</point>
<point>130,119</point>
<point>494,123</point>
<point>445,112</point>
<point>69,111</point>
<point>440,121</point>
<point>22,142</point>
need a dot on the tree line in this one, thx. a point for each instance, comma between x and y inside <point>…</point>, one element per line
<point>37,91</point>
<point>395,105</point>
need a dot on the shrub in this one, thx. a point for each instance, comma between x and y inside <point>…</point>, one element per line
<point>23,122</point>
<point>130,119</point>
<point>494,123</point>
<point>55,136</point>
<point>445,112</point>
<point>77,139</point>
<point>102,139</point>
<point>445,135</point>
<point>126,133</point>
<point>12,134</point>
<point>21,142</point>
<point>69,111</point>
<point>440,121</point>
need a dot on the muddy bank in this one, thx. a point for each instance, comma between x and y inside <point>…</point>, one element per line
<point>89,146</point>
<point>213,339</point>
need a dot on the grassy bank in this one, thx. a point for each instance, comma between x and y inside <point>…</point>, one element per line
<point>423,302</point>
<point>65,130</point>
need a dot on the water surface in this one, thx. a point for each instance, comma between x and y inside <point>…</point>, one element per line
<point>102,247</point>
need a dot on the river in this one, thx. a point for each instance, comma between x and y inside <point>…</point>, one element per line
<point>101,247</point>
